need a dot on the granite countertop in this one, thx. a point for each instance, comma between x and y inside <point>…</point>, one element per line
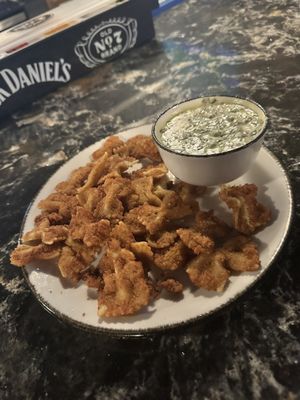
<point>250,350</point>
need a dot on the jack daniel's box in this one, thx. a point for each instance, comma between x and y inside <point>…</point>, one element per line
<point>56,47</point>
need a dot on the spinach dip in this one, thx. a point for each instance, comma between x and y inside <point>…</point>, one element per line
<point>213,127</point>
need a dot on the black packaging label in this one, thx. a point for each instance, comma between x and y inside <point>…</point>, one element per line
<point>47,65</point>
<point>106,41</point>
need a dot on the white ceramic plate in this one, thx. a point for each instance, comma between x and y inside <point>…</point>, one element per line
<point>79,305</point>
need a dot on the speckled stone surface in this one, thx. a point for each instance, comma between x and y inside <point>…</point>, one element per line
<point>250,350</point>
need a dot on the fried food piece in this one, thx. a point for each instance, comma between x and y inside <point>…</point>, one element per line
<point>46,219</point>
<point>46,234</point>
<point>170,258</point>
<point>142,146</point>
<point>188,193</point>
<point>116,167</point>
<point>61,203</point>
<point>106,263</point>
<point>143,187</point>
<point>109,175</point>
<point>157,172</point>
<point>70,265</point>
<point>120,164</point>
<point>99,169</point>
<point>125,290</point>
<point>248,214</point>
<point>196,241</point>
<point>79,175</point>
<point>53,234</point>
<point>83,227</point>
<point>118,186</point>
<point>210,225</point>
<point>172,205</point>
<point>92,277</point>
<point>84,253</point>
<point>142,193</point>
<point>131,220</point>
<point>162,239</point>
<point>153,218</point>
<point>142,251</point>
<point>91,197</point>
<point>241,254</point>
<point>123,234</point>
<point>208,271</point>
<point>97,233</point>
<point>111,146</point>
<point>111,207</point>
<point>32,236</point>
<point>171,285</point>
<point>76,179</point>
<point>80,219</point>
<point>24,254</point>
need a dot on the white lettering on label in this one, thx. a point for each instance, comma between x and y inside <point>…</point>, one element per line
<point>11,81</point>
<point>107,40</point>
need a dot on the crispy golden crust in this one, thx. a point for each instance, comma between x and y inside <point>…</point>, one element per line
<point>81,218</point>
<point>142,193</point>
<point>111,146</point>
<point>162,239</point>
<point>60,203</point>
<point>170,258</point>
<point>55,234</point>
<point>151,217</point>
<point>77,179</point>
<point>33,235</point>
<point>248,214</point>
<point>139,222</point>
<point>125,289</point>
<point>46,219</point>
<point>142,251</point>
<point>241,254</point>
<point>90,198</point>
<point>123,234</point>
<point>208,271</point>
<point>120,164</point>
<point>123,293</point>
<point>46,234</point>
<point>143,147</point>
<point>172,205</point>
<point>97,233</point>
<point>70,265</point>
<point>92,278</point>
<point>171,285</point>
<point>131,220</point>
<point>99,168</point>
<point>189,193</point>
<point>86,254</point>
<point>196,241</point>
<point>156,172</point>
<point>117,186</point>
<point>24,254</point>
<point>111,206</point>
<point>210,225</point>
<point>84,227</point>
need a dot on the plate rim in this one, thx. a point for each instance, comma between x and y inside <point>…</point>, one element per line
<point>131,333</point>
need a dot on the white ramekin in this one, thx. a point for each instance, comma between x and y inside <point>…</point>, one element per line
<point>212,169</point>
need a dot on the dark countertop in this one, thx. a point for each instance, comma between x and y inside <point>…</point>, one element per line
<point>250,350</point>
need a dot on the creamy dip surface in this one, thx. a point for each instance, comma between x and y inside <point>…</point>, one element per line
<point>213,127</point>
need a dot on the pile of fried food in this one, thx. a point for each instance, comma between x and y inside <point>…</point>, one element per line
<point>120,225</point>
